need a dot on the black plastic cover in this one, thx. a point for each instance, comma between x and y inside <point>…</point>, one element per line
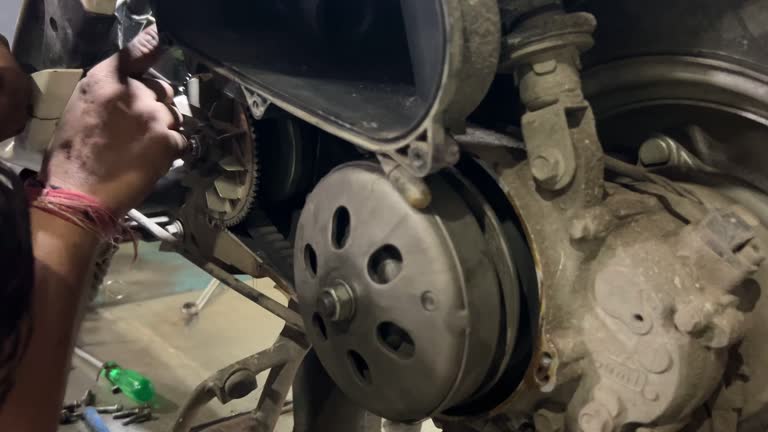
<point>372,67</point>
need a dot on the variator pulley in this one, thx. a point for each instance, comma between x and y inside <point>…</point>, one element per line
<point>404,307</point>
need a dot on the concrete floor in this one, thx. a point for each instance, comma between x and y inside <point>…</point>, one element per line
<point>137,322</point>
<point>140,325</point>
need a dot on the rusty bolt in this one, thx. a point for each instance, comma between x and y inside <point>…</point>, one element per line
<point>547,169</point>
<point>417,156</point>
<point>594,417</point>
<point>655,151</point>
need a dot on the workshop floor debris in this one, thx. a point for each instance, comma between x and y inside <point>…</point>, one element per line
<point>140,324</point>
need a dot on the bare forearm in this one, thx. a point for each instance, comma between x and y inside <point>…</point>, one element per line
<point>64,255</point>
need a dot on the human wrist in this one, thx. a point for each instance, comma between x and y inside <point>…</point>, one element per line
<point>110,194</point>
<point>76,207</point>
<point>61,246</point>
<point>46,224</point>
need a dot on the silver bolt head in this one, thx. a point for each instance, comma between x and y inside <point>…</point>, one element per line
<point>654,152</point>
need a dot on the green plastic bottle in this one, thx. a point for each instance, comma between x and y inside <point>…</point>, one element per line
<point>133,384</point>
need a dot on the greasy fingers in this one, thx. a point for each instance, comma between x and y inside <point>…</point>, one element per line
<point>178,140</point>
<point>143,52</point>
<point>163,90</point>
<point>164,119</point>
<point>116,137</point>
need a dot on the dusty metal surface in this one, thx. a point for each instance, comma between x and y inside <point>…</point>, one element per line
<point>617,282</point>
<point>558,127</point>
<point>439,285</point>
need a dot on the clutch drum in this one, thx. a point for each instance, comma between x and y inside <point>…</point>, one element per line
<point>402,306</point>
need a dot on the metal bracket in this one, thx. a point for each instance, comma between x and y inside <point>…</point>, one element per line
<point>208,241</point>
<point>564,151</point>
<point>434,150</point>
<point>239,379</point>
<point>257,103</point>
<point>550,147</point>
<point>212,248</point>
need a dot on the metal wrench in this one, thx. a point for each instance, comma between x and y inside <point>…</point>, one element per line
<point>191,309</point>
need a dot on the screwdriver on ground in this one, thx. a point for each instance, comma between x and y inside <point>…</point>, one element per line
<point>133,384</point>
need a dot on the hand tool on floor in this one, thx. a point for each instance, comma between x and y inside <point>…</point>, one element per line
<point>70,412</point>
<point>135,415</point>
<point>68,417</point>
<point>89,398</point>
<point>133,384</point>
<point>191,309</point>
<point>111,409</point>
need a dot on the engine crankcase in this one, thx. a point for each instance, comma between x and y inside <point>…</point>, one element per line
<point>642,297</point>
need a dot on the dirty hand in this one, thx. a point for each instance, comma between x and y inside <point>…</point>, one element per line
<point>119,133</point>
<point>15,94</point>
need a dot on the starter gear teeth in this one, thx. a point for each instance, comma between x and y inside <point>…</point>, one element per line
<point>231,196</point>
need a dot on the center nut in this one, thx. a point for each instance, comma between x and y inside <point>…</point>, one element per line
<point>336,303</point>
<point>402,306</point>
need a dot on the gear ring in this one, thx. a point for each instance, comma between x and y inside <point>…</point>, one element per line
<point>231,194</point>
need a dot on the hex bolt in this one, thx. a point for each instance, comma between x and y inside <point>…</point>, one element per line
<point>654,152</point>
<point>176,229</point>
<point>326,304</point>
<point>336,303</point>
<point>240,384</point>
<point>547,169</point>
<point>417,156</point>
